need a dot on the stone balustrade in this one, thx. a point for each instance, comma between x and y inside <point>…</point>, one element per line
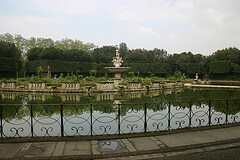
<point>105,86</point>
<point>36,85</point>
<point>134,85</point>
<point>155,85</point>
<point>70,86</point>
<point>178,84</point>
<point>169,85</point>
<point>8,85</point>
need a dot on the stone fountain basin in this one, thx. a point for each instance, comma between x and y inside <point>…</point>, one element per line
<point>117,69</point>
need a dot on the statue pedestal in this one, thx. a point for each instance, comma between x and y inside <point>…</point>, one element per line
<point>117,76</point>
<point>117,71</point>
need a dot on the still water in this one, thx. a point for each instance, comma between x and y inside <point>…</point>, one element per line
<point>40,114</point>
<point>130,97</point>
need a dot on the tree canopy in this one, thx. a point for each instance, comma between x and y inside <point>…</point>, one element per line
<point>224,63</point>
<point>10,59</point>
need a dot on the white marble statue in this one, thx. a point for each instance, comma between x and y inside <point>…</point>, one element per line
<point>117,61</point>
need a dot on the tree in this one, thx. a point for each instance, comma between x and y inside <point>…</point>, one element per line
<point>158,54</point>
<point>7,38</point>
<point>137,56</point>
<point>123,49</point>
<point>73,44</point>
<point>34,54</point>
<point>104,54</point>
<point>10,59</point>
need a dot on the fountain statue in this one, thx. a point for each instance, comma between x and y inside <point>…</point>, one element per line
<point>117,69</point>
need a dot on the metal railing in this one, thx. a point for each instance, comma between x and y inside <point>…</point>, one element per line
<point>37,120</point>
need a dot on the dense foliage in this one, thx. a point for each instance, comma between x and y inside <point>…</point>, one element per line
<point>73,56</point>
<point>10,59</point>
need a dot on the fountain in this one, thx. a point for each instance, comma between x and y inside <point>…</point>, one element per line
<point>117,62</point>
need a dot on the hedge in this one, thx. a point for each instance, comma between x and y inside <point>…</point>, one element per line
<point>220,67</point>
<point>8,64</point>
<point>58,66</point>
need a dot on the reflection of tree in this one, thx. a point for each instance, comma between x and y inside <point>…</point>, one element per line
<point>230,106</point>
<point>199,97</point>
<point>10,112</point>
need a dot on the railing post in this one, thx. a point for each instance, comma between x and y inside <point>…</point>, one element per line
<point>1,108</point>
<point>31,115</point>
<point>190,114</point>
<point>119,121</point>
<point>226,112</point>
<point>91,127</point>
<point>62,126</point>
<point>209,112</point>
<point>169,115</point>
<point>145,117</point>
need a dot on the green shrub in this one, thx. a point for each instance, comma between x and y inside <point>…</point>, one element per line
<point>91,78</point>
<point>131,74</point>
<point>106,75</point>
<point>80,77</point>
<point>102,79</point>
<point>24,79</point>
<point>39,72</point>
<point>136,79</point>
<point>146,80</point>
<point>47,80</point>
<point>35,78</point>
<point>93,72</point>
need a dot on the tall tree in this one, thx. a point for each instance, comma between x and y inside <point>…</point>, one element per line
<point>123,49</point>
<point>10,57</point>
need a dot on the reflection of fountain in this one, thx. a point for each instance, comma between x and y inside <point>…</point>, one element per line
<point>117,62</point>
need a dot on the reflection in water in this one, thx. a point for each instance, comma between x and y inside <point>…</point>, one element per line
<point>37,97</point>
<point>134,95</point>
<point>142,96</point>
<point>115,113</point>
<point>169,91</point>
<point>115,118</point>
<point>105,97</point>
<point>70,97</point>
<point>8,96</point>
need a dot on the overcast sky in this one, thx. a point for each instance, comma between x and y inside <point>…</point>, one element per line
<point>199,26</point>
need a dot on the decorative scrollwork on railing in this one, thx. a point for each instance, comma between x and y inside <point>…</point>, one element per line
<point>46,130</point>
<point>157,117</point>
<point>16,131</point>
<point>18,124</point>
<point>105,128</point>
<point>200,122</point>
<point>104,119</point>
<point>180,123</point>
<point>233,118</point>
<point>199,114</point>
<point>218,115</point>
<point>76,120</point>
<point>131,127</point>
<point>157,126</point>
<point>77,130</point>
